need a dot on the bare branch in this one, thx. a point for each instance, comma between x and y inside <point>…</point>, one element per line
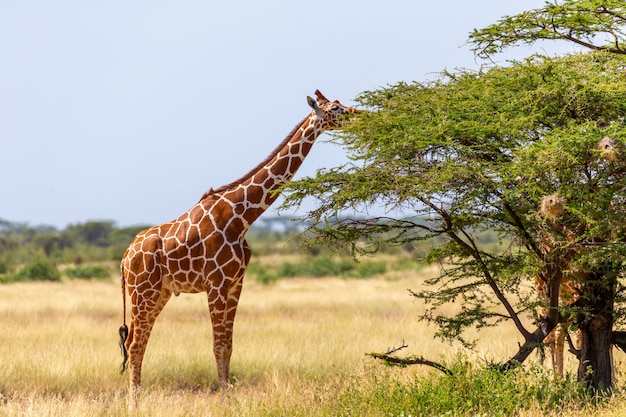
<point>396,349</point>
<point>408,361</point>
<point>589,45</point>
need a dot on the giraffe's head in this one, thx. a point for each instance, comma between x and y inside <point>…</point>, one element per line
<point>330,114</point>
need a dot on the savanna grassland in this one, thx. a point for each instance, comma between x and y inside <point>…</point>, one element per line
<point>299,350</point>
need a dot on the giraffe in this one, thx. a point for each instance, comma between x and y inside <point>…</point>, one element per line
<point>204,250</point>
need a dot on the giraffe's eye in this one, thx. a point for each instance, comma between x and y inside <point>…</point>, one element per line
<point>334,107</point>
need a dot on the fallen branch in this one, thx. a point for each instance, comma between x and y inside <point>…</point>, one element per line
<point>414,360</point>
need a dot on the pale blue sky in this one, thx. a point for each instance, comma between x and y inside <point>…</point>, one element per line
<point>130,110</point>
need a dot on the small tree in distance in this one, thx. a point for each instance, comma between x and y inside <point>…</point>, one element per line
<point>474,151</point>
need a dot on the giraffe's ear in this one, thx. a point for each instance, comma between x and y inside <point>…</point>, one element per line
<point>314,106</point>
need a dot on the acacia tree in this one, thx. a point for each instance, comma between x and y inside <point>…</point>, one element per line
<point>476,151</point>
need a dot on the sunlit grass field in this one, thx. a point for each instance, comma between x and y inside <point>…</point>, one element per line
<point>299,350</point>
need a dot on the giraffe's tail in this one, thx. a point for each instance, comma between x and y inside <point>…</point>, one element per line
<point>124,328</point>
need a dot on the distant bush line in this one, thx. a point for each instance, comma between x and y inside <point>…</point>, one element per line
<point>31,253</point>
<point>44,270</point>
<point>325,266</point>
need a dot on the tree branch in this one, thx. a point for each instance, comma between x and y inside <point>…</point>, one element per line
<point>572,347</point>
<point>475,253</point>
<point>533,341</point>
<point>589,45</point>
<point>618,338</point>
<point>517,221</point>
<point>408,361</point>
<point>604,10</point>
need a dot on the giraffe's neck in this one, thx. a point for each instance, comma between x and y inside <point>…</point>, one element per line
<point>252,194</point>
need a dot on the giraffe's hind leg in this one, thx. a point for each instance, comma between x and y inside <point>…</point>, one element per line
<point>143,315</point>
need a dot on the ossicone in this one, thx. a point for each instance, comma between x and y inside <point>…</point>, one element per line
<point>320,97</point>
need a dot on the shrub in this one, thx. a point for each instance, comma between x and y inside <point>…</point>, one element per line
<point>322,267</point>
<point>287,270</point>
<point>261,273</point>
<point>88,272</point>
<point>327,267</point>
<point>39,270</point>
<point>265,277</point>
<point>4,267</point>
<point>315,267</point>
<point>369,269</point>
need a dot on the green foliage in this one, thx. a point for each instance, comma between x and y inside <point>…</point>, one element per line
<point>367,269</point>
<point>89,272</point>
<point>262,274</point>
<point>4,267</point>
<point>470,391</point>
<point>316,267</point>
<point>119,239</point>
<point>320,267</point>
<point>38,270</point>
<point>583,22</point>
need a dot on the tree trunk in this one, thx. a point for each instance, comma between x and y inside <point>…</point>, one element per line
<point>595,368</point>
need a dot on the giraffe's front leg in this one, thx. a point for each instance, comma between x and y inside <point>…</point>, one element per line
<point>223,309</point>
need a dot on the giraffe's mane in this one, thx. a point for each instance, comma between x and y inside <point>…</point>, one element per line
<point>261,164</point>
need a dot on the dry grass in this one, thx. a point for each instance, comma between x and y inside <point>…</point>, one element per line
<point>298,345</point>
